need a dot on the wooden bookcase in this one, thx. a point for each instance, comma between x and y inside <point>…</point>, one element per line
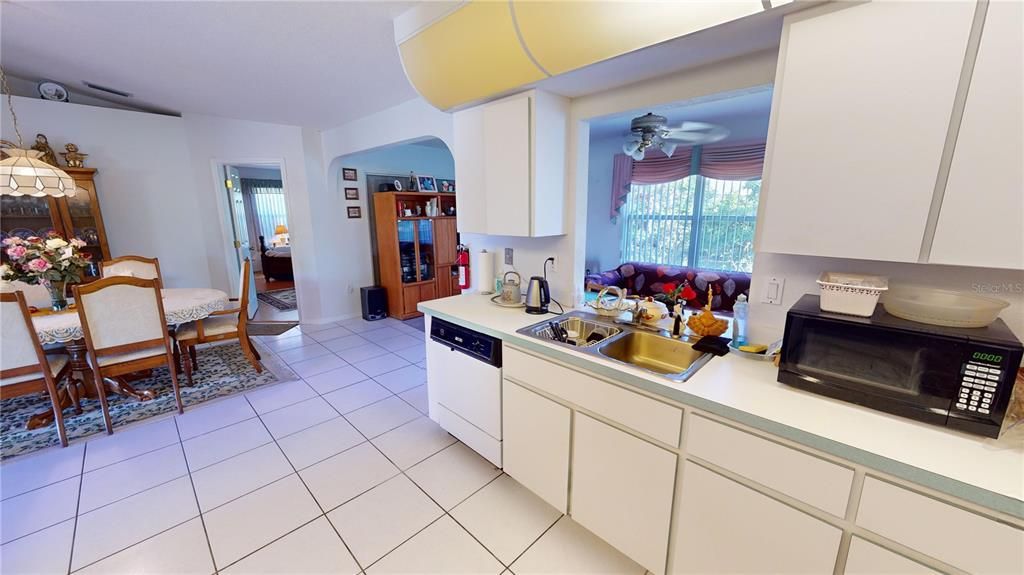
<point>416,252</point>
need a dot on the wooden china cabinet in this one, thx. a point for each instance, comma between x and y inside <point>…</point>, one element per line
<point>70,216</point>
<point>416,252</point>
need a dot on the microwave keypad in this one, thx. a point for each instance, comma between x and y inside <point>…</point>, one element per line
<point>977,387</point>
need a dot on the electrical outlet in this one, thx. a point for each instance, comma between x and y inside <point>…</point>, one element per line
<point>553,264</point>
<point>772,291</point>
<point>508,257</point>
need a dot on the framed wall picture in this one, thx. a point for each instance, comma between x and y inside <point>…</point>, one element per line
<point>349,174</point>
<point>426,183</point>
<point>446,186</point>
<point>354,212</point>
<point>351,193</point>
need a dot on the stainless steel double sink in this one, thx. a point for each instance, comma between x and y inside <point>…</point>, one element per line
<point>674,359</point>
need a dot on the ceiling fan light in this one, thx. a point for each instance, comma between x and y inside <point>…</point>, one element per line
<point>637,154</point>
<point>630,148</point>
<point>669,148</point>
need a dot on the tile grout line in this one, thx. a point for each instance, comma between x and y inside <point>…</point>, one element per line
<point>78,504</point>
<point>195,494</point>
<point>323,513</point>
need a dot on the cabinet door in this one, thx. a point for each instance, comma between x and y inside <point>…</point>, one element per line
<point>983,209</point>
<point>866,558</point>
<point>445,240</point>
<point>468,134</point>
<point>724,527</point>
<point>622,490</point>
<point>864,97</point>
<point>535,443</point>
<point>507,173</point>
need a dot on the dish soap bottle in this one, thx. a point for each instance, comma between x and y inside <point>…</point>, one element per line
<point>739,320</point>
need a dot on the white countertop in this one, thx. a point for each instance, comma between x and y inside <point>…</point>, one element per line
<point>747,391</point>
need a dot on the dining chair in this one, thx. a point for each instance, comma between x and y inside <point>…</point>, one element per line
<point>132,266</point>
<point>220,326</point>
<point>25,368</point>
<point>125,331</point>
<point>36,295</point>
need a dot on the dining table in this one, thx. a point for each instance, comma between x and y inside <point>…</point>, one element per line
<point>181,305</point>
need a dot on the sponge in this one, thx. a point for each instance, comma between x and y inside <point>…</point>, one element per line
<point>754,348</point>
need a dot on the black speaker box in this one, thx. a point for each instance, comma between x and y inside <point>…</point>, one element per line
<point>375,302</point>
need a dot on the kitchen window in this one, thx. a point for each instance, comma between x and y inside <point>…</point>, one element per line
<point>697,221</point>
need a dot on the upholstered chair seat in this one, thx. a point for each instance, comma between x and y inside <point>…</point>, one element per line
<point>216,325</point>
<point>56,364</point>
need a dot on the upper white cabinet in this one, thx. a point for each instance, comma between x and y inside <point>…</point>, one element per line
<point>862,104</point>
<point>510,166</point>
<point>982,218</point>
<point>724,527</point>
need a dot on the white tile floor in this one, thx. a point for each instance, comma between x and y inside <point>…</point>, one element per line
<point>335,471</point>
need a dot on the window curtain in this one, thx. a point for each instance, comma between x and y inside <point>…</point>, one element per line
<point>265,202</point>
<point>656,168</point>
<point>733,162</point>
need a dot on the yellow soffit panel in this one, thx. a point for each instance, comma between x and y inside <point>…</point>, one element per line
<point>565,35</point>
<point>471,54</point>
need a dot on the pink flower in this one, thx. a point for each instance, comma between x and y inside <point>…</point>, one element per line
<point>77,242</point>
<point>38,265</point>
<point>16,252</point>
<point>12,241</point>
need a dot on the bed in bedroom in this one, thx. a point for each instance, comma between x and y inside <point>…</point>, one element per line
<point>276,262</point>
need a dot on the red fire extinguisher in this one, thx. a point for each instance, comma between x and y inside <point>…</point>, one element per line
<point>462,260</point>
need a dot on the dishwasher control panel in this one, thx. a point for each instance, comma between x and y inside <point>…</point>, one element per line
<point>472,343</point>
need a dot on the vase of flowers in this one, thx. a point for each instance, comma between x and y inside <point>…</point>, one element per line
<point>52,262</point>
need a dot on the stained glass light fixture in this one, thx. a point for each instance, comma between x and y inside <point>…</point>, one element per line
<point>23,173</point>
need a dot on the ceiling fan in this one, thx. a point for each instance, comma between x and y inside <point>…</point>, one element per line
<point>651,130</point>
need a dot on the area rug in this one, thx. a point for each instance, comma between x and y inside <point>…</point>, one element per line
<point>269,327</point>
<point>282,299</point>
<point>223,370</point>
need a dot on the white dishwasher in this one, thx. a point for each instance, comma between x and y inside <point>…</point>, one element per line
<point>464,386</point>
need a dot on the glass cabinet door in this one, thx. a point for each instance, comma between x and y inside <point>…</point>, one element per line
<point>407,250</point>
<point>426,240</point>
<point>82,221</point>
<point>26,216</point>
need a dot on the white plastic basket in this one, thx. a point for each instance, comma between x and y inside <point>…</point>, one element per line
<point>851,294</point>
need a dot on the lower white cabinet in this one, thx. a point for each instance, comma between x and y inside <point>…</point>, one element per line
<point>622,490</point>
<point>866,558</point>
<point>724,527</point>
<point>536,443</point>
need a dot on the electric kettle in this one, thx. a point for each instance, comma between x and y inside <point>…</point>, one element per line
<point>537,296</point>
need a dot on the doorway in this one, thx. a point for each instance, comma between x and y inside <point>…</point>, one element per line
<point>259,230</point>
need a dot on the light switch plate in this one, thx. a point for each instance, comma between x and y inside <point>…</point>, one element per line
<point>772,292</point>
<point>508,256</point>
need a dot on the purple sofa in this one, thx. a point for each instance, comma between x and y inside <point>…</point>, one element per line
<point>652,279</point>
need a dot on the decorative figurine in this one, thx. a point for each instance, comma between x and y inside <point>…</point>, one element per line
<point>42,145</point>
<point>73,157</point>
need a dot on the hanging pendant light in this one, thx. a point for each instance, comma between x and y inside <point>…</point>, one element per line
<point>23,173</point>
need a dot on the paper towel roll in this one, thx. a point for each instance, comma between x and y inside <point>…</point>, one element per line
<point>483,272</point>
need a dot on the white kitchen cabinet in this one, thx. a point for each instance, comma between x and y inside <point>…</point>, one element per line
<point>963,539</point>
<point>536,443</point>
<point>510,165</point>
<point>862,103</point>
<point>866,558</point>
<point>724,527</point>
<point>805,477</point>
<point>622,490</point>
<point>981,222</point>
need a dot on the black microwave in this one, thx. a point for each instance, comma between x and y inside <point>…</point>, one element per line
<point>957,377</point>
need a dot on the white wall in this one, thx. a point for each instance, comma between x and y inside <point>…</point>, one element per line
<point>212,141</point>
<point>603,235</point>
<point>144,180</point>
<point>353,235</point>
